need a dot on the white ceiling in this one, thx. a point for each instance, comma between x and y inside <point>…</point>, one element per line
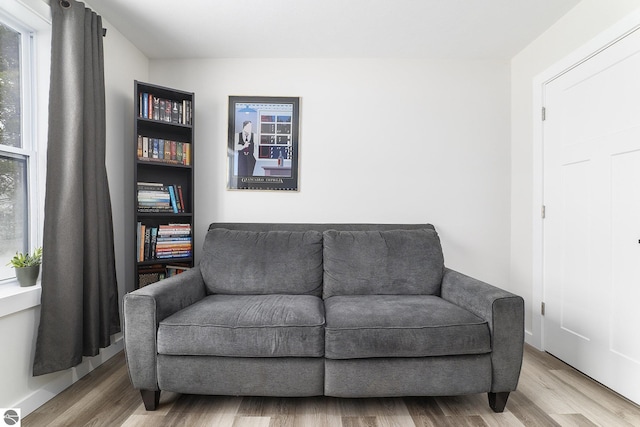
<point>439,29</point>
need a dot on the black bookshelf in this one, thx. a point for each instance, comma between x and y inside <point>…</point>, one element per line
<point>163,182</point>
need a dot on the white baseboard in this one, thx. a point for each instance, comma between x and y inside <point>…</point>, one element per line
<point>531,340</point>
<point>61,383</point>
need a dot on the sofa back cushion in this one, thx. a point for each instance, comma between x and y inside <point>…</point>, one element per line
<point>395,262</point>
<point>239,262</point>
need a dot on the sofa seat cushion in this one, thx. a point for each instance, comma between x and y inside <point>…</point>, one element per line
<point>246,326</point>
<point>401,326</point>
<point>393,262</point>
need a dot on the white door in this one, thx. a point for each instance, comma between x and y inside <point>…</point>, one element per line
<point>592,225</point>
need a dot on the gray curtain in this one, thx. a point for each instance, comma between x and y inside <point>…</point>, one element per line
<point>79,308</point>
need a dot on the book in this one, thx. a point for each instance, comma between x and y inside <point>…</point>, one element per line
<point>147,241</point>
<point>167,150</point>
<point>153,242</point>
<point>156,108</point>
<point>186,154</point>
<point>177,197</point>
<point>174,150</point>
<point>172,270</point>
<point>175,112</point>
<point>141,235</point>
<point>173,239</point>
<point>161,148</point>
<point>188,113</point>
<point>172,195</point>
<point>144,110</point>
<point>181,198</point>
<point>162,110</point>
<point>168,229</point>
<point>167,111</point>
<point>138,240</point>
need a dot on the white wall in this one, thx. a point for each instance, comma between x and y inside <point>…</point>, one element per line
<point>581,24</point>
<point>395,141</point>
<point>123,64</point>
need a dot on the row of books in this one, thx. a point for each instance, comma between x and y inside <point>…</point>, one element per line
<point>148,274</point>
<point>164,150</point>
<point>165,110</point>
<point>164,242</point>
<point>157,197</point>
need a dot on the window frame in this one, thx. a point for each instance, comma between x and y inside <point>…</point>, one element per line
<point>28,149</point>
<point>32,18</point>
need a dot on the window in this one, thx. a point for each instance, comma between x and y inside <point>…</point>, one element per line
<point>17,148</point>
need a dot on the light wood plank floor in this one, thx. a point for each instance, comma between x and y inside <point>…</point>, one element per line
<point>550,393</point>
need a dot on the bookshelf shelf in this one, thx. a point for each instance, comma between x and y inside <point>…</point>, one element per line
<point>163,182</point>
<point>159,163</point>
<point>152,122</point>
<point>165,214</point>
<point>166,261</point>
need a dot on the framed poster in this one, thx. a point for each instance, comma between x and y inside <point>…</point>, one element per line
<point>262,146</point>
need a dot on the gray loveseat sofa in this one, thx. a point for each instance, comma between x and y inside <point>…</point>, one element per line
<point>344,310</point>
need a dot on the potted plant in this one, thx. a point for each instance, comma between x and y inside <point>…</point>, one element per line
<point>27,267</point>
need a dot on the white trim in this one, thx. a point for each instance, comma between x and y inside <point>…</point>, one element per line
<point>537,338</point>
<point>61,383</point>
<point>29,18</point>
<point>605,39</point>
<point>14,298</point>
<point>29,134</point>
<point>34,13</point>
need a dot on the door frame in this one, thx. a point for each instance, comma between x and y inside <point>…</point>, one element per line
<point>618,31</point>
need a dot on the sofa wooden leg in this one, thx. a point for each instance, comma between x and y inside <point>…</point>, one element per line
<point>151,399</point>
<point>498,401</point>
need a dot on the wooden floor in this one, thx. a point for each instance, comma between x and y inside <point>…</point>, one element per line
<point>550,393</point>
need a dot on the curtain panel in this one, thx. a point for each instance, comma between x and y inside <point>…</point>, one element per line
<point>79,307</point>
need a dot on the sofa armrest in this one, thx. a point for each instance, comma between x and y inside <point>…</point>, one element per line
<point>504,313</point>
<point>143,310</point>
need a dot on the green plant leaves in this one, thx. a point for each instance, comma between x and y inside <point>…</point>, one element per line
<point>26,260</point>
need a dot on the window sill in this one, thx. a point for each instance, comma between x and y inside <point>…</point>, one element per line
<point>14,298</point>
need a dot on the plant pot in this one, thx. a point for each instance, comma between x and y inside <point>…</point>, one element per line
<point>27,276</point>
